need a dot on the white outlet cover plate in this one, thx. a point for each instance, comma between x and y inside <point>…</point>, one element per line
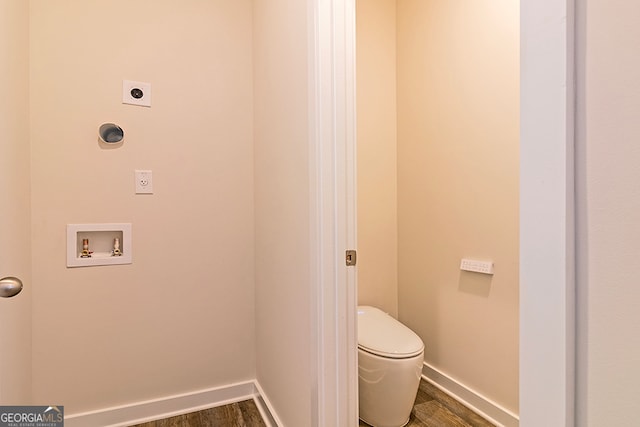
<point>144,182</point>
<point>127,97</point>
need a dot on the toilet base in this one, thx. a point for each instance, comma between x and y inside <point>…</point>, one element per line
<point>387,388</point>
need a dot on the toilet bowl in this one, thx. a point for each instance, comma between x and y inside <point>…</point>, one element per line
<point>390,358</point>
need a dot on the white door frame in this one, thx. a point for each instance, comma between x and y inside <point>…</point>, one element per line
<point>333,211</point>
<point>547,320</point>
<point>547,260</point>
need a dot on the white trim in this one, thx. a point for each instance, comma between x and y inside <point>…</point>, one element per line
<point>332,212</point>
<point>547,214</point>
<point>266,409</point>
<point>323,342</point>
<point>473,400</point>
<point>345,98</point>
<point>169,406</point>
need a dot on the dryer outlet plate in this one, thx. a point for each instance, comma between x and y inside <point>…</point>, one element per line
<point>136,93</point>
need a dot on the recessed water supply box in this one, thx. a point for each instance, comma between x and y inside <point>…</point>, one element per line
<point>98,244</point>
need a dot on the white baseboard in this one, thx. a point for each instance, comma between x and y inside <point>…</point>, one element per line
<point>473,400</point>
<point>140,412</point>
<point>165,407</point>
<point>267,411</point>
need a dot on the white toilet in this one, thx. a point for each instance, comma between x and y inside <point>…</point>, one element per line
<point>390,358</point>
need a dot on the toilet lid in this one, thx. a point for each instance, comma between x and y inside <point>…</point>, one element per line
<point>381,334</point>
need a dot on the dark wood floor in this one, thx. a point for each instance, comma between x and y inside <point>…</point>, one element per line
<point>434,408</point>
<point>240,414</point>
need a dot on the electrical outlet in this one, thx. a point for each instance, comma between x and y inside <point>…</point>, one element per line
<point>144,182</point>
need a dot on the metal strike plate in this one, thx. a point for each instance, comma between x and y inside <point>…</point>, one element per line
<point>351,257</point>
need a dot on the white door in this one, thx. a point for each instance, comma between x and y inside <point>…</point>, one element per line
<point>15,312</point>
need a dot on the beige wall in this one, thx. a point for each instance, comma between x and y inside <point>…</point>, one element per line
<point>376,144</point>
<point>180,318</point>
<point>454,66</point>
<point>608,206</point>
<point>458,138</point>
<point>282,208</point>
<point>15,313</point>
